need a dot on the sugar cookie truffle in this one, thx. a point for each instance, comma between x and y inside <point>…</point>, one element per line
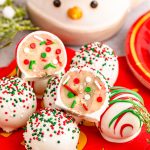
<point>100,57</point>
<point>83,92</point>
<point>40,54</point>
<point>17,103</point>
<point>51,129</point>
<point>121,122</point>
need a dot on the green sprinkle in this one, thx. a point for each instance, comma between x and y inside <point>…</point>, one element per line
<point>43,43</point>
<point>73,104</point>
<point>32,62</point>
<point>43,55</point>
<point>58,142</point>
<point>70,95</point>
<point>50,65</point>
<point>87,89</point>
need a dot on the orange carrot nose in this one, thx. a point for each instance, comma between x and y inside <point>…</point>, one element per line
<point>75,13</point>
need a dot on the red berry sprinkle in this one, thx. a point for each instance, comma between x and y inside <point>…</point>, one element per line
<point>58,51</point>
<point>47,49</point>
<point>99,99</point>
<point>26,61</point>
<point>76,81</point>
<point>32,45</point>
<point>48,42</point>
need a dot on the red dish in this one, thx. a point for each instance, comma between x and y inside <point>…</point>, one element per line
<point>138,49</point>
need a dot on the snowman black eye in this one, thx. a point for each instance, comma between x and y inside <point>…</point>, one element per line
<point>57,3</point>
<point>94,4</point>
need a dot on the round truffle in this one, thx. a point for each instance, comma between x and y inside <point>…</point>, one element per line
<point>82,97</point>
<point>17,103</point>
<point>98,56</point>
<point>51,129</point>
<point>121,122</point>
<point>41,54</point>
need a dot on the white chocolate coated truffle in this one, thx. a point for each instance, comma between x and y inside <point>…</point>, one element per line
<point>51,129</point>
<point>121,122</point>
<point>98,56</point>
<point>17,103</point>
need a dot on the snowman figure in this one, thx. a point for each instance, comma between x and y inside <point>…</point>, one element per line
<point>78,22</point>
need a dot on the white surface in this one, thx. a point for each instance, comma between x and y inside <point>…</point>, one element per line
<point>117,42</point>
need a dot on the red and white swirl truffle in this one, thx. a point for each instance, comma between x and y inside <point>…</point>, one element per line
<point>121,122</point>
<point>17,103</point>
<point>51,129</point>
<point>40,54</point>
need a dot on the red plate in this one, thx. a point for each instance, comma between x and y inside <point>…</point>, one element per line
<point>138,49</point>
<point>90,138</point>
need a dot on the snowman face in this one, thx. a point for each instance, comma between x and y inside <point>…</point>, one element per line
<point>86,13</point>
<point>41,54</point>
<point>82,92</point>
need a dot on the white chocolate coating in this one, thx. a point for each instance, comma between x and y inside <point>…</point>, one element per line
<point>51,129</point>
<point>121,122</point>
<point>36,53</point>
<point>17,103</point>
<point>91,109</point>
<point>94,24</point>
<point>100,57</point>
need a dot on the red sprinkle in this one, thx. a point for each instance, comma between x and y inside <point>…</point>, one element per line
<point>26,61</point>
<point>76,81</point>
<point>32,45</point>
<point>48,42</point>
<point>85,107</point>
<point>99,99</point>
<point>47,49</point>
<point>58,51</point>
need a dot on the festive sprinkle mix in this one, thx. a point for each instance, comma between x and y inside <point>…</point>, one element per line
<point>76,81</point>
<point>87,89</point>
<point>32,62</point>
<point>70,95</point>
<point>50,65</point>
<point>58,51</point>
<point>14,91</point>
<point>33,45</point>
<point>43,55</point>
<point>73,104</point>
<point>50,122</point>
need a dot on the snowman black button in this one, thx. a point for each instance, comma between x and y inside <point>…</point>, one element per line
<point>57,3</point>
<point>94,4</point>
